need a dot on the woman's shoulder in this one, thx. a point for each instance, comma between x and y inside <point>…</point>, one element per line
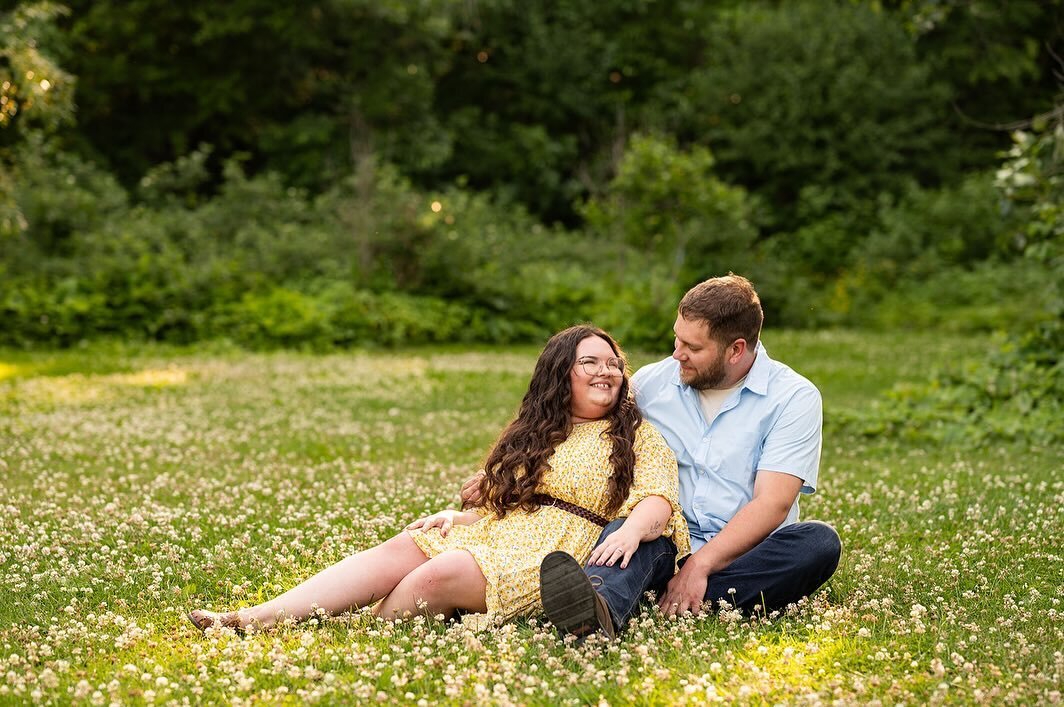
<point>647,435</point>
<point>653,452</point>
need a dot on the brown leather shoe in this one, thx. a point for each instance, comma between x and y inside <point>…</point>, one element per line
<point>204,619</point>
<point>569,600</point>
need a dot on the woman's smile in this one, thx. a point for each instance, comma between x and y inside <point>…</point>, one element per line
<point>595,379</point>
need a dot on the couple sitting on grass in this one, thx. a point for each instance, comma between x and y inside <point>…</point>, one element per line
<point>594,496</point>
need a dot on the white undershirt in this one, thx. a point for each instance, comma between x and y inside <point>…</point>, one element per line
<point>713,398</point>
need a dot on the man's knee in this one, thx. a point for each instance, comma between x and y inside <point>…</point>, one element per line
<point>612,526</point>
<point>823,545</point>
<point>649,552</point>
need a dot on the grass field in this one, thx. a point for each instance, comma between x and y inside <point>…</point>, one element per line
<point>142,482</point>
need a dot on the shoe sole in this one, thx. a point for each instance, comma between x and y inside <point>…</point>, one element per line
<point>567,594</point>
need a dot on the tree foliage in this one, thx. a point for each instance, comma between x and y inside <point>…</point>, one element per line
<point>35,93</point>
<point>669,205</point>
<point>346,171</point>
<point>816,116</point>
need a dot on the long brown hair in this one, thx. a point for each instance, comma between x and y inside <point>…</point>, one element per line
<point>516,463</point>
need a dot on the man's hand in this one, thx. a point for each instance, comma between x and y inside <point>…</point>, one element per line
<point>686,591</point>
<point>470,493</point>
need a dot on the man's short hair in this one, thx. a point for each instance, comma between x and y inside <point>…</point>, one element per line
<point>728,305</point>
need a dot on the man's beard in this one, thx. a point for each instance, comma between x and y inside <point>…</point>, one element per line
<point>710,377</point>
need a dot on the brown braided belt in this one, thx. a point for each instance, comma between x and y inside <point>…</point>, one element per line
<point>543,499</point>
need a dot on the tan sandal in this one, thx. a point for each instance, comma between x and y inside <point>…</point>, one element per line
<point>205,619</point>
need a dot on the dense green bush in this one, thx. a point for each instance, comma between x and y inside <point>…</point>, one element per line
<point>1009,296</point>
<point>1015,393</point>
<point>338,315</point>
<point>668,205</point>
<point>372,261</point>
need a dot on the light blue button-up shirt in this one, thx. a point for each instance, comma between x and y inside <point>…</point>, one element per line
<point>772,422</point>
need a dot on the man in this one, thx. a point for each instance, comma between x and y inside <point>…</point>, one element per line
<point>746,431</point>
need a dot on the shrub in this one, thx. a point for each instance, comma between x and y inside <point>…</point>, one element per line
<point>1016,393</point>
<point>639,309</point>
<point>276,318</point>
<point>992,296</point>
<point>667,205</point>
<point>394,319</point>
<point>55,196</point>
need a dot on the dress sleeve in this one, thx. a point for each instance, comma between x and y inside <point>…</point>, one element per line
<point>481,511</point>
<point>656,475</point>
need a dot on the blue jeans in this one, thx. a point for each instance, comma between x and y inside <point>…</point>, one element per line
<point>791,563</point>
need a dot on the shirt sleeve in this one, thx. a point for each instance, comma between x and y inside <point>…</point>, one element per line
<point>794,442</point>
<point>656,475</point>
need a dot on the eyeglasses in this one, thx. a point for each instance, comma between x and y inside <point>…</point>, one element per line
<point>610,367</point>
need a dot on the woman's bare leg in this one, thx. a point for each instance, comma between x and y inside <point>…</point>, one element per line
<point>451,580</point>
<point>356,581</point>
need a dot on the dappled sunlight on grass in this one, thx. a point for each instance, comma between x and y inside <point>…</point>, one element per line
<point>151,378</point>
<point>74,390</point>
<point>77,389</point>
<point>10,370</point>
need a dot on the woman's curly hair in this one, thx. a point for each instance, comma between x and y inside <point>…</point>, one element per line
<point>516,463</point>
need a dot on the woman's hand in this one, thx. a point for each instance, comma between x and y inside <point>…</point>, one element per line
<point>470,493</point>
<point>444,520</point>
<point>621,544</point>
<point>646,523</point>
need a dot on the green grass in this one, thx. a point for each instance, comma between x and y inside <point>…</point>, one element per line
<point>140,482</point>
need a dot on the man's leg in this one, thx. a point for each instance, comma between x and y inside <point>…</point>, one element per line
<point>790,564</point>
<point>570,597</point>
<point>651,567</point>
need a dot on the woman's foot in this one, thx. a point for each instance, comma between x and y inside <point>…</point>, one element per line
<point>204,619</point>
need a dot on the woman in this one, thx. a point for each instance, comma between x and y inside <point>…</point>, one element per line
<point>592,459</point>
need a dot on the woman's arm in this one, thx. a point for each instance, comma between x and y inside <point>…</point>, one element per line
<point>445,519</point>
<point>647,521</point>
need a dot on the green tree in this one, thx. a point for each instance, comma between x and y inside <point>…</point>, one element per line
<point>998,58</point>
<point>668,206</point>
<point>35,92</point>
<point>816,106</point>
<point>36,98</point>
<point>540,96</point>
<point>305,88</point>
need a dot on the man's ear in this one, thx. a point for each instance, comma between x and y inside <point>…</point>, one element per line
<point>736,350</point>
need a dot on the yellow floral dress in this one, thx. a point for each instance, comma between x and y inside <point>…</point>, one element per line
<point>509,549</point>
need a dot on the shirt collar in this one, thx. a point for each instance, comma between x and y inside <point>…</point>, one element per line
<point>756,379</point>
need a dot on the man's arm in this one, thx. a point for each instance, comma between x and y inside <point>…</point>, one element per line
<point>774,494</point>
<point>793,445</point>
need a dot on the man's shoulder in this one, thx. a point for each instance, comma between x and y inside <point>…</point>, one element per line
<point>782,380</point>
<point>654,376</point>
